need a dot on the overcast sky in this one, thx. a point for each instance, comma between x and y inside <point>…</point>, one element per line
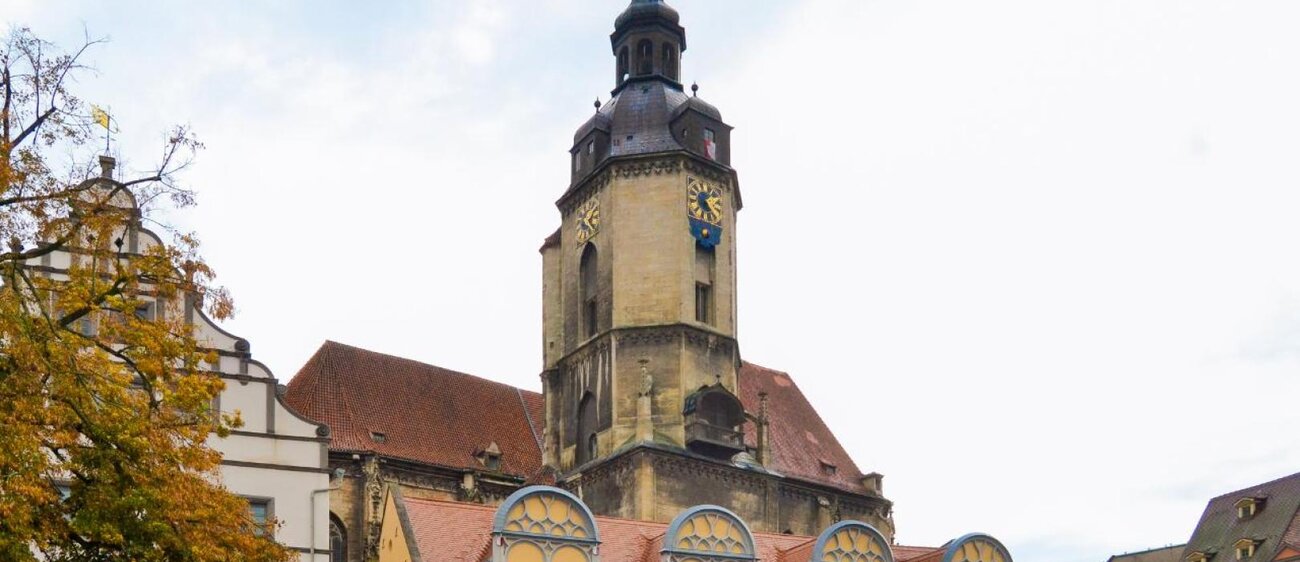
<point>1051,245</point>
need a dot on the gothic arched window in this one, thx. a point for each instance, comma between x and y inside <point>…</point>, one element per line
<point>670,61</point>
<point>852,541</point>
<point>587,278</point>
<point>338,540</point>
<point>586,430</point>
<point>622,65</point>
<point>544,524</point>
<point>710,532</point>
<point>645,58</point>
<point>977,547</point>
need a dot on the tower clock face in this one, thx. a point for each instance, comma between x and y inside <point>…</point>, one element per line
<point>704,201</point>
<point>588,220</point>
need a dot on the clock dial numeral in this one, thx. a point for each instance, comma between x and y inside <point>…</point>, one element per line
<point>588,220</point>
<point>704,201</point>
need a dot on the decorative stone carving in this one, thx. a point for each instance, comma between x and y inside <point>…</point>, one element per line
<point>655,167</point>
<point>374,487</point>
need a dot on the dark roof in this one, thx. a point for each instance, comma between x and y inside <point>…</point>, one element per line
<point>647,11</point>
<point>437,416</point>
<point>638,117</point>
<point>427,414</point>
<point>704,107</point>
<point>1219,529</point>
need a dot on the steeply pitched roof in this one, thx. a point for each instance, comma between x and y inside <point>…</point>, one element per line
<point>800,440</point>
<point>426,414</point>
<point>1219,529</point>
<point>433,415</point>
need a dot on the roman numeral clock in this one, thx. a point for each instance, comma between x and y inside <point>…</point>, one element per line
<point>704,210</point>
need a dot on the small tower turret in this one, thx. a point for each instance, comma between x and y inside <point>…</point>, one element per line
<point>648,41</point>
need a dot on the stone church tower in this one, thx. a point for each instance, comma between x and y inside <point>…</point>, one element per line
<point>640,278</point>
<point>641,358</point>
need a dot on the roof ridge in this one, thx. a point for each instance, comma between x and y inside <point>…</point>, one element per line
<point>1252,487</point>
<point>529,417</point>
<point>430,365</point>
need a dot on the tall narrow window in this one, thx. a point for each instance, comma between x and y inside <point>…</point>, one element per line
<point>622,65</point>
<point>338,540</point>
<point>704,270</point>
<point>587,277</point>
<point>703,302</point>
<point>586,430</point>
<point>670,62</point>
<point>645,58</point>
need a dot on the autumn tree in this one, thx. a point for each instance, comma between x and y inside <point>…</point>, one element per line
<point>105,392</point>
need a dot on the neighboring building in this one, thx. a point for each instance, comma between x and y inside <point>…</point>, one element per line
<point>1257,524</point>
<point>277,459</point>
<point>1163,554</point>
<point>648,410</point>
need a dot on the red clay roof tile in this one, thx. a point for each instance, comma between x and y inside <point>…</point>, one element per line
<point>424,412</point>
<point>461,532</point>
<point>800,440</point>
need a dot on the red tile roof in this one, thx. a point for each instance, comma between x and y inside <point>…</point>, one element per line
<point>461,532</point>
<point>800,439</point>
<point>422,411</point>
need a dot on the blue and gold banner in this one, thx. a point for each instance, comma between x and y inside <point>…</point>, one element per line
<point>708,235</point>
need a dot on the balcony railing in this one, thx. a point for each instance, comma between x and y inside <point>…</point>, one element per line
<point>719,436</point>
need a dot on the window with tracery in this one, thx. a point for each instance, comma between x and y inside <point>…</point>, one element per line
<point>708,532</point>
<point>544,524</point>
<point>976,548</point>
<point>338,540</point>
<point>852,541</point>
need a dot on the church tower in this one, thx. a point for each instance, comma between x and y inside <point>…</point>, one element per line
<point>640,352</point>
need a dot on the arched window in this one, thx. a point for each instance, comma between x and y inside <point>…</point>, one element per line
<point>645,58</point>
<point>709,532</point>
<point>586,430</point>
<point>670,61</point>
<point>852,540</point>
<point>622,65</point>
<point>976,547</point>
<point>338,540</point>
<point>587,273</point>
<point>544,524</point>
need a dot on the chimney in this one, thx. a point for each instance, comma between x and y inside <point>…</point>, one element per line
<point>875,483</point>
<point>106,165</point>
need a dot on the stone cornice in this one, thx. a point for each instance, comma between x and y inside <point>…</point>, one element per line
<point>649,164</point>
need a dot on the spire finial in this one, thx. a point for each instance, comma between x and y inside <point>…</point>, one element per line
<point>597,104</point>
<point>695,89</point>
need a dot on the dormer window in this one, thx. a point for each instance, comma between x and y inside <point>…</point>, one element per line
<point>829,469</point>
<point>489,457</point>
<point>1245,548</point>
<point>1248,507</point>
<point>378,437</point>
<point>1199,557</point>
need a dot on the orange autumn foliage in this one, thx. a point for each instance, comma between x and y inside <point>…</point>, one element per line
<point>105,392</point>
